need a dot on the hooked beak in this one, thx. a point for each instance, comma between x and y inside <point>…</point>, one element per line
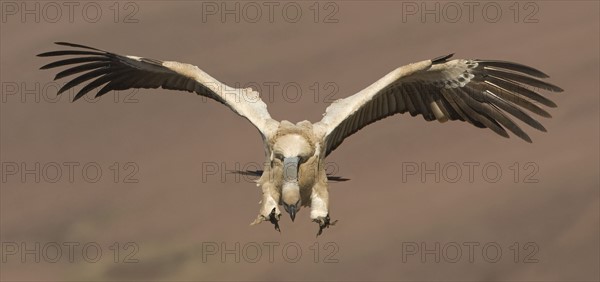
<point>290,184</point>
<point>292,212</point>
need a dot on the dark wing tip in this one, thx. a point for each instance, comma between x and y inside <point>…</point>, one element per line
<point>76,45</point>
<point>337,178</point>
<point>77,97</point>
<point>501,132</point>
<point>47,54</point>
<point>521,134</point>
<point>257,173</point>
<point>441,59</point>
<point>513,67</point>
<point>557,89</point>
<point>53,53</point>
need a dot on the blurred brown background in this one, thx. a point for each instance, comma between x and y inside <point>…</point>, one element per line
<point>184,212</point>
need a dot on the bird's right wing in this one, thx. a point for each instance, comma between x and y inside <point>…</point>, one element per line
<point>481,92</point>
<point>119,72</point>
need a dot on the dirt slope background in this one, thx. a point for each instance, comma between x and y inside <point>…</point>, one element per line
<point>141,176</point>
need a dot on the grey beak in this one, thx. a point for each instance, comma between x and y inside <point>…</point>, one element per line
<point>292,212</point>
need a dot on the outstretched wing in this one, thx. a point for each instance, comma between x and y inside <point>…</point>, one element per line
<point>481,92</point>
<point>118,72</point>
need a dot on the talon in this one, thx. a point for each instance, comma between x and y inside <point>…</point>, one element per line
<point>273,219</point>
<point>324,222</point>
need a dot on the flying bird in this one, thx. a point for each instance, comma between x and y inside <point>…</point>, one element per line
<point>484,93</point>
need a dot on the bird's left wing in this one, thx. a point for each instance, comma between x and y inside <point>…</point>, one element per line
<point>480,92</point>
<point>119,72</point>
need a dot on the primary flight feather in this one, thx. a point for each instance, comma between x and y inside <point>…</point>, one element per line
<point>485,93</point>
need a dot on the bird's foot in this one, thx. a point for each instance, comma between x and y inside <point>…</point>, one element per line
<point>324,222</point>
<point>272,217</point>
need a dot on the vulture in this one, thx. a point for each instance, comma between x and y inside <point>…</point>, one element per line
<point>485,93</point>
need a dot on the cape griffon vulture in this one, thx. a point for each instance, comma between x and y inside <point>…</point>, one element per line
<point>481,92</point>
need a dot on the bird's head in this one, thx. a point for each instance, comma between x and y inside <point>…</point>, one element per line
<point>290,151</point>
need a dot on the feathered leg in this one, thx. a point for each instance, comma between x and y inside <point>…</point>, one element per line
<point>269,210</point>
<point>319,207</point>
